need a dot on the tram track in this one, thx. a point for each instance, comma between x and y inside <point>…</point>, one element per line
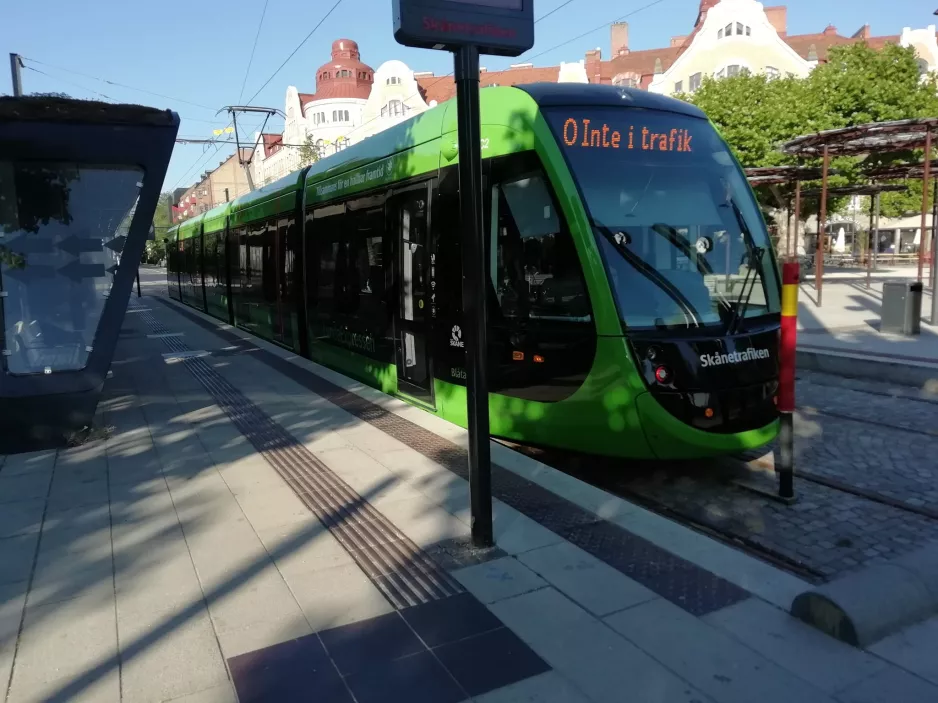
<point>810,410</point>
<point>720,477</point>
<point>613,483</point>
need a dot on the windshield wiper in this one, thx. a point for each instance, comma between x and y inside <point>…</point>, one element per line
<point>649,272</point>
<point>754,265</point>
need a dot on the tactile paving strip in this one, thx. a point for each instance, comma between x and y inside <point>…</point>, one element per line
<point>677,580</point>
<point>405,574</point>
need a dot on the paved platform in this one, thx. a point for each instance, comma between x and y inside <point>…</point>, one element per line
<point>849,320</point>
<point>246,525</point>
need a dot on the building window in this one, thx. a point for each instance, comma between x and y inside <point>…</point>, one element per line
<point>679,87</point>
<point>719,34</point>
<point>694,82</point>
<point>340,115</point>
<point>728,29</point>
<point>394,108</point>
<point>748,30</point>
<point>739,28</point>
<point>772,72</point>
<point>922,66</point>
<point>393,80</point>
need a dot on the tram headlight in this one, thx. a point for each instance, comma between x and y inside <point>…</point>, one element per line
<point>663,374</point>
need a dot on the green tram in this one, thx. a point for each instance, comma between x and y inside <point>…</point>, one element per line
<point>634,303</point>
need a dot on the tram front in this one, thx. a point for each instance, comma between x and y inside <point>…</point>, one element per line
<point>689,264</point>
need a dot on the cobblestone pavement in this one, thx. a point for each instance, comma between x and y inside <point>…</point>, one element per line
<point>872,436</point>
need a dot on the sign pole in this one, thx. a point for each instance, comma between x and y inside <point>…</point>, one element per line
<point>468,28</point>
<point>786,379</point>
<point>466,60</point>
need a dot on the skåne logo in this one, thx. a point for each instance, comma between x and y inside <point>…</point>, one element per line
<point>735,357</point>
<point>456,339</point>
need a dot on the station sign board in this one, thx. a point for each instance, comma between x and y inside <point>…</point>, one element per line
<point>499,27</point>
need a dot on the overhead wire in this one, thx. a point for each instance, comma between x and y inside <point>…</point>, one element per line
<point>247,72</point>
<point>202,159</point>
<point>67,82</point>
<point>559,7</point>
<point>115,83</point>
<point>298,47</point>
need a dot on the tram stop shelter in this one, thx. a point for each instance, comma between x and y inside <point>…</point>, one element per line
<point>864,140</point>
<point>79,183</point>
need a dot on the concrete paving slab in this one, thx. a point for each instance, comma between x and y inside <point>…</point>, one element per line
<point>28,463</point>
<point>424,524</point>
<point>240,602</point>
<point>12,602</point>
<point>499,579</point>
<point>6,667</point>
<point>711,660</point>
<point>159,577</point>
<point>544,688</point>
<point>821,660</point>
<point>72,494</point>
<point>102,689</point>
<point>303,547</point>
<point>24,486</point>
<point>166,665</point>
<point>595,659</point>
<point>262,634</point>
<point>336,596</point>
<point>914,649</point>
<point>60,644</point>
<point>516,533</point>
<point>590,582</point>
<point>17,555</point>
<point>216,694</point>
<point>277,506</point>
<point>77,528</point>
<point>21,517</point>
<point>891,685</point>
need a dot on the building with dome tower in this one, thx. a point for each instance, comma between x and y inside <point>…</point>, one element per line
<point>328,116</point>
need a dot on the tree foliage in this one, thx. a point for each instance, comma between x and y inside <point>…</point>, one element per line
<point>162,221</point>
<point>309,151</point>
<point>856,85</point>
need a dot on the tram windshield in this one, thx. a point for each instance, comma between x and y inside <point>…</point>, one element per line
<point>683,241</point>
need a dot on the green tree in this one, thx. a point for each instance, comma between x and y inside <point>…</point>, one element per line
<point>857,85</point>
<point>310,152</point>
<point>162,221</point>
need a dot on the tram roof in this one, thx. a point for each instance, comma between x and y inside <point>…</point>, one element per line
<point>515,107</point>
<point>214,219</point>
<point>591,95</point>
<point>190,227</point>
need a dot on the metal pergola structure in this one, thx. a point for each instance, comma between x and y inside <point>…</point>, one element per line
<point>873,190</point>
<point>891,172</point>
<point>773,176</point>
<point>861,140</point>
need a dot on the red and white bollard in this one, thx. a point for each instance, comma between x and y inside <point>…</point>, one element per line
<point>786,378</point>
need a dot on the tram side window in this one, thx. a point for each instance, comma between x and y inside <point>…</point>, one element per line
<point>365,286</point>
<point>326,233</point>
<point>210,244</point>
<point>536,272</point>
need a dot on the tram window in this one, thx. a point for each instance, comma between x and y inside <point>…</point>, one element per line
<point>536,272</point>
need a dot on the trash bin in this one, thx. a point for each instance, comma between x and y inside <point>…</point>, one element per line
<point>902,307</point>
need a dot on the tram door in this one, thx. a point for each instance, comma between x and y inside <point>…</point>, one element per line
<point>408,212</point>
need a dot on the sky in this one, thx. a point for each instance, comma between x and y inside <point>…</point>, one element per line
<point>196,57</point>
